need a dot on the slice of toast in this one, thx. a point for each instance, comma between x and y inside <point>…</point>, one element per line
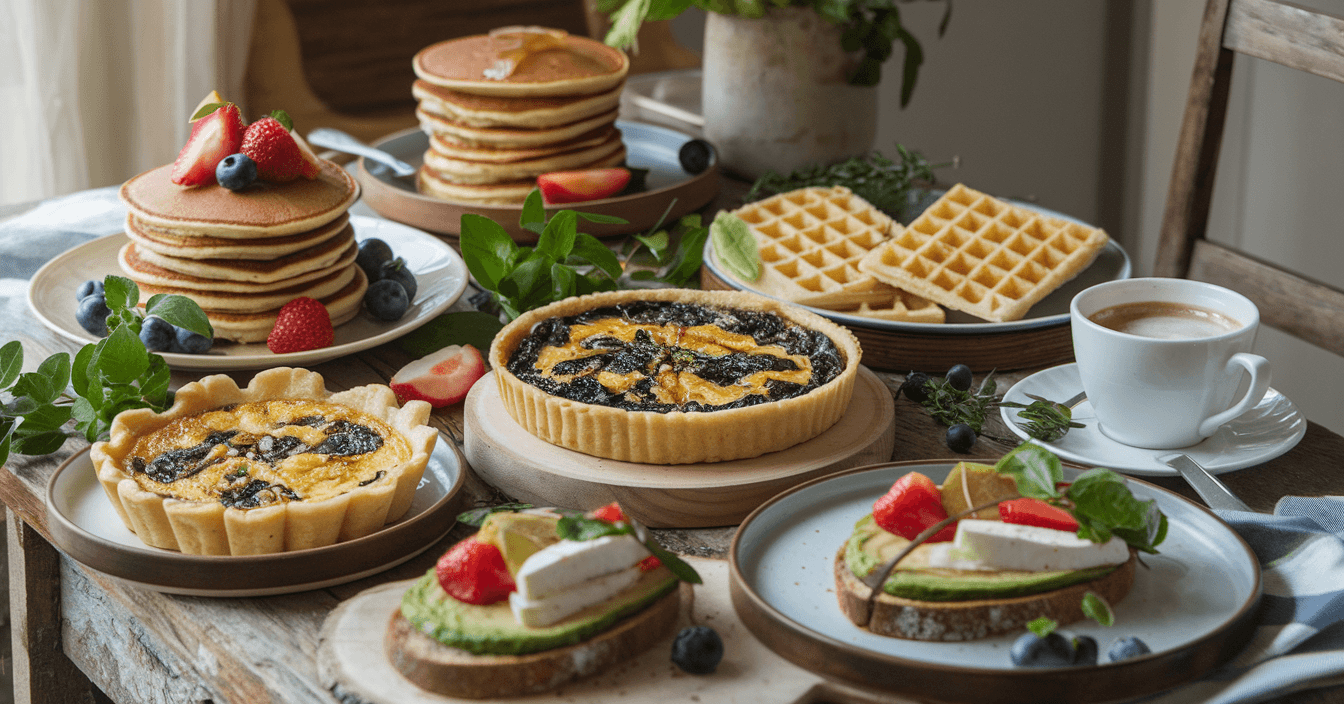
<point>969,620</point>
<point>438,668</point>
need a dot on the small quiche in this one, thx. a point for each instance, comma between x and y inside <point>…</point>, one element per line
<point>281,465</point>
<point>674,376</point>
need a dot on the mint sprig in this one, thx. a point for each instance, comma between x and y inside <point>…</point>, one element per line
<point>105,378</point>
<point>585,528</point>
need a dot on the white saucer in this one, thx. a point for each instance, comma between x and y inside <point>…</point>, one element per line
<point>1270,429</point>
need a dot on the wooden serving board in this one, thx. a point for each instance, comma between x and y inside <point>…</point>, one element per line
<point>669,496</point>
<point>352,660</point>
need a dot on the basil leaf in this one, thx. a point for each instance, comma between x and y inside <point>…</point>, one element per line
<point>121,356</point>
<point>121,293</point>
<point>11,363</point>
<point>1035,470</point>
<point>579,527</point>
<point>1096,608</point>
<point>529,282</point>
<point>476,516</point>
<point>735,246</point>
<point>462,328</point>
<point>180,311</point>
<point>487,249</point>
<point>534,210</point>
<point>689,256</point>
<point>1042,626</point>
<point>1101,495</point>
<point>562,281</point>
<point>591,250</point>
<point>154,385</point>
<point>557,239</point>
<point>48,382</point>
<point>602,219</point>
<point>44,418</point>
<point>39,444</point>
<point>657,243</point>
<point>667,10</point>
<point>674,563</point>
<point>21,406</point>
<point>79,369</point>
<point>84,414</point>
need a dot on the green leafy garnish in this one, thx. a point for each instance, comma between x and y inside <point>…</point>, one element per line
<point>105,378</point>
<point>461,328</point>
<point>476,516</point>
<point>578,527</point>
<point>1096,608</point>
<point>735,246</point>
<point>875,178</point>
<point>283,118</point>
<point>673,255</point>
<point>1043,626</point>
<point>949,405</point>
<point>1046,420</point>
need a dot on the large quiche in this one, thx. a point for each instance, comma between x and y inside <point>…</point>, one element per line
<point>674,376</point>
<point>278,466</point>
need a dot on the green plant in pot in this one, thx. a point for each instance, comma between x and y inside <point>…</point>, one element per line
<point>788,83</point>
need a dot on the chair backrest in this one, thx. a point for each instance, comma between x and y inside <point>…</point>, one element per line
<point>1289,35</point>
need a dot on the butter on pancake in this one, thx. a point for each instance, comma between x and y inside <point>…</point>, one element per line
<point>171,244</point>
<point>552,63</point>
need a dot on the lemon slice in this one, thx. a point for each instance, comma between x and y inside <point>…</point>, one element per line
<point>969,485</point>
<point>518,535</point>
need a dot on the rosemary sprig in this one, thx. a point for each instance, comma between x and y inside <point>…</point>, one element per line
<point>949,405</point>
<point>875,178</point>
<point>1046,420</point>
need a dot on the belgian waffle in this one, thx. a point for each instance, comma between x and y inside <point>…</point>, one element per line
<point>810,242</point>
<point>974,253</point>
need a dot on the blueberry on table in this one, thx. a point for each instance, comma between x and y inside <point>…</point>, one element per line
<point>373,254</point>
<point>396,270</point>
<point>960,438</point>
<point>236,172</point>
<point>188,342</point>
<point>157,334</point>
<point>387,300</point>
<point>89,288</point>
<point>695,155</point>
<point>697,650</point>
<point>92,314</point>
<point>1125,648</point>
<point>959,377</point>
<point>914,388</point>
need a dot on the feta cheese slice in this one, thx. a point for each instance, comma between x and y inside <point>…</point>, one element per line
<point>1008,546</point>
<point>568,563</point>
<point>537,613</point>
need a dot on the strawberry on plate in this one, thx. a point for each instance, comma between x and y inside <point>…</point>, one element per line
<point>474,572</point>
<point>911,505</point>
<point>583,184</point>
<point>280,154</point>
<point>442,378</point>
<point>1034,512</point>
<point>303,324</point>
<point>213,137</point>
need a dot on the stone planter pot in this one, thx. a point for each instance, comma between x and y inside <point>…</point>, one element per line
<point>774,93</point>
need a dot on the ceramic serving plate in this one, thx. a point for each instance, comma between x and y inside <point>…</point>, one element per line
<point>440,273</point>
<point>1193,603</point>
<point>85,526</point>
<point>670,189</point>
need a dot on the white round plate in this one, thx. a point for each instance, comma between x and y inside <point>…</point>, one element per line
<point>85,525</point>
<point>440,274</point>
<point>1268,430</point>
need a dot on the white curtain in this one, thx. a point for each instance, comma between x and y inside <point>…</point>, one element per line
<point>93,92</point>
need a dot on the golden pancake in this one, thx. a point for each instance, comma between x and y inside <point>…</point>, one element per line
<point>508,193</point>
<point>337,250</point>
<point>556,64</point>
<point>262,210</point>
<point>147,274</point>
<point>206,247</point>
<point>255,302</point>
<point>255,327</point>
<point>516,137</point>
<point>609,153</point>
<point>532,112</point>
<point>449,148</point>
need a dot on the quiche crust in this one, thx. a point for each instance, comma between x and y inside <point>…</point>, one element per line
<point>208,527</point>
<point>676,437</point>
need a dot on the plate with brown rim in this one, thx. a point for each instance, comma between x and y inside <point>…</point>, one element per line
<point>84,525</point>
<point>1194,603</point>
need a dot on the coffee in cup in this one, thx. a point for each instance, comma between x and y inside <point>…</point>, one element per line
<point>1161,359</point>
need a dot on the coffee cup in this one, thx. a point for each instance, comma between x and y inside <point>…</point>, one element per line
<point>1161,359</point>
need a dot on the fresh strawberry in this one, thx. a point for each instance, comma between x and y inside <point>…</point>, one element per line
<point>611,513</point>
<point>303,324</point>
<point>650,564</point>
<point>441,378</point>
<point>278,155</point>
<point>213,137</point>
<point>912,504</point>
<point>1034,512</point>
<point>581,185</point>
<point>474,573</point>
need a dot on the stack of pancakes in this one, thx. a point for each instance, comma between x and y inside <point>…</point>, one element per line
<point>242,256</point>
<point>550,106</point>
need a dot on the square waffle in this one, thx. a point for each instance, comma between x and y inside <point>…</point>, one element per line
<point>810,242</point>
<point>974,253</point>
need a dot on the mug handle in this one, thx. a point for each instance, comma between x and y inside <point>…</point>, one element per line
<point>1258,367</point>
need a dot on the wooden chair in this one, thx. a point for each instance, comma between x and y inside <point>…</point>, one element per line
<point>1289,35</point>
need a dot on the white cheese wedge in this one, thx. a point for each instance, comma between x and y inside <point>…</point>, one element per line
<point>569,563</point>
<point>537,613</point>
<point>1007,546</point>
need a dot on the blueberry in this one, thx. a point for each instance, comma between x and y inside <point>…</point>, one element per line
<point>959,377</point>
<point>1125,648</point>
<point>157,334</point>
<point>188,342</point>
<point>387,300</point>
<point>373,253</point>
<point>1084,650</point>
<point>236,172</point>
<point>697,650</point>
<point>695,156</point>
<point>914,386</point>
<point>1054,650</point>
<point>92,314</point>
<point>88,288</point>
<point>397,271</point>
<point>960,438</point>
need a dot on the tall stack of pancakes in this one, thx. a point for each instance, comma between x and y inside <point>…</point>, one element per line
<point>503,108</point>
<point>243,255</point>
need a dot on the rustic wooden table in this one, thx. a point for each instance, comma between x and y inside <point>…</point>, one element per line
<point>81,636</point>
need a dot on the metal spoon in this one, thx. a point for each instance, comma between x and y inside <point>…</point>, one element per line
<point>340,141</point>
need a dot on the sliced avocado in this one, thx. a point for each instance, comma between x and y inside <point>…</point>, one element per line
<point>863,554</point>
<point>492,630</point>
<point>969,484</point>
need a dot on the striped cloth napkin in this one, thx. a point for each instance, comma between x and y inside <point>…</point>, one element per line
<point>1299,643</point>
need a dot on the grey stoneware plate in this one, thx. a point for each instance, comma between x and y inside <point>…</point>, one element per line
<point>84,525</point>
<point>1193,604</point>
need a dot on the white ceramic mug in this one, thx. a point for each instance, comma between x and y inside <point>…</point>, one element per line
<point>1166,393</point>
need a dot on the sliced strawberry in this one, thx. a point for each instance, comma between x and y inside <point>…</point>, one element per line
<point>441,378</point>
<point>302,324</point>
<point>1034,512</point>
<point>278,156</point>
<point>911,505</point>
<point>611,513</point>
<point>312,166</point>
<point>213,137</point>
<point>581,185</point>
<point>474,573</point>
<point>650,564</point>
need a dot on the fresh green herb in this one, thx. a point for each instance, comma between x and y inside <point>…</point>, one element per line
<point>283,118</point>
<point>949,405</point>
<point>875,178</point>
<point>1046,420</point>
<point>578,527</point>
<point>476,516</point>
<point>1096,608</point>
<point>105,378</point>
<point>675,254</point>
<point>873,26</point>
<point>461,328</point>
<point>242,471</point>
<point>1043,626</point>
<point>735,246</point>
